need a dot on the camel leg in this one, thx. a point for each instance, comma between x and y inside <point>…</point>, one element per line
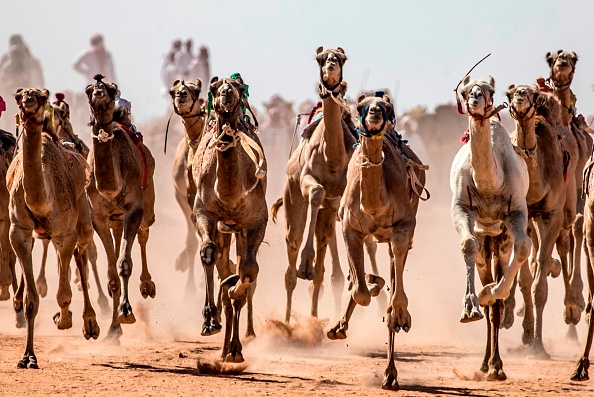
<point>185,259</point>
<point>132,220</point>
<point>464,223</point>
<point>209,251</point>
<point>503,248</point>
<point>295,219</point>
<point>337,276</point>
<point>339,330</point>
<point>581,371</point>
<point>101,226</point>
<point>249,332</point>
<point>41,282</point>
<point>147,286</point>
<point>21,240</point>
<point>371,248</point>
<point>18,289</point>
<point>65,249</point>
<point>484,258</point>
<point>101,298</point>
<point>6,273</point>
<point>316,194</point>
<point>402,235</point>
<point>390,381</point>
<point>324,231</point>
<point>227,307</point>
<point>516,225</point>
<point>359,291</point>
<point>572,313</point>
<point>526,281</point>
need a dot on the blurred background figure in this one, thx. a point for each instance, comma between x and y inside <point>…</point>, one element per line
<point>175,48</point>
<point>200,68</point>
<point>409,129</point>
<point>183,59</point>
<point>94,60</point>
<point>169,74</point>
<point>18,69</point>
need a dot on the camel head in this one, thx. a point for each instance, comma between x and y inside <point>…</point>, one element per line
<point>226,96</point>
<point>523,101</point>
<point>478,96</point>
<point>562,65</point>
<point>101,96</point>
<point>185,97</point>
<point>31,102</point>
<point>549,107</point>
<point>59,119</point>
<point>375,114</point>
<point>331,63</point>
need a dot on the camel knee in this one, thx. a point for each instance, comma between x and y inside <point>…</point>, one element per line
<point>469,246</point>
<point>522,248</point>
<point>316,196</point>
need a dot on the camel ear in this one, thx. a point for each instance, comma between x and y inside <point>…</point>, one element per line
<point>466,80</point>
<point>319,50</point>
<point>540,99</point>
<point>550,59</point>
<point>199,84</point>
<point>176,82</point>
<point>214,80</point>
<point>19,95</point>
<point>361,97</point>
<point>574,57</point>
<point>559,52</point>
<point>510,91</point>
<point>89,90</point>
<point>44,94</point>
<point>112,89</point>
<point>492,82</point>
<point>214,84</point>
<point>339,49</point>
<point>386,98</point>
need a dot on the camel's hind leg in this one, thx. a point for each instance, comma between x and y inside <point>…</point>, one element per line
<point>209,251</point>
<point>147,286</point>
<point>186,258</point>
<point>41,282</point>
<point>315,193</point>
<point>101,298</point>
<point>21,240</point>
<point>6,273</point>
<point>371,248</point>
<point>295,219</point>
<point>337,276</point>
<point>324,231</point>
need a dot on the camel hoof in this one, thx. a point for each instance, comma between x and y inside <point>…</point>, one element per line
<point>234,358</point>
<point>528,338</point>
<point>63,323</point>
<point>581,372</point>
<point>90,329</point>
<point>20,320</point>
<point>148,288</point>
<point>521,310</point>
<point>207,253</point>
<point>305,272</point>
<point>496,374</point>
<point>486,297</point>
<point>361,294</point>
<point>474,315</point>
<point>125,314</point>
<point>4,293</point>
<point>399,318</point>
<point>338,332</point>
<point>211,329</point>
<point>114,334</point>
<point>554,268</point>
<point>250,334</point>
<point>390,382</point>
<point>28,362</point>
<point>374,284</point>
<point>41,285</point>
<point>572,314</point>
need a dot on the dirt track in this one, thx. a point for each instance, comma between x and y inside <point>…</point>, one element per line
<point>158,355</point>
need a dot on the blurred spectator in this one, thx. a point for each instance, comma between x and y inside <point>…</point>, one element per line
<point>409,130</point>
<point>95,60</point>
<point>169,74</point>
<point>175,48</point>
<point>183,58</point>
<point>18,68</point>
<point>200,68</point>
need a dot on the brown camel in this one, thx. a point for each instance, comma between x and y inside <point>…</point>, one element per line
<point>316,178</point>
<point>538,142</point>
<point>489,181</point>
<point>122,197</point>
<point>562,68</point>
<point>229,172</point>
<point>581,371</point>
<point>380,201</point>
<point>184,96</point>
<point>67,137</point>
<point>47,195</point>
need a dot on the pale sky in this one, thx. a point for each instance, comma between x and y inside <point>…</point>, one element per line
<point>422,47</point>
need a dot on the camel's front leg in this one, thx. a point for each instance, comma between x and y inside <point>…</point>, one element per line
<point>371,248</point>
<point>316,193</point>
<point>354,245</point>
<point>90,326</point>
<point>337,276</point>
<point>390,381</point>
<point>21,240</point>
<point>101,298</point>
<point>402,236</point>
<point>575,257</point>
<point>132,220</point>
<point>463,219</point>
<point>209,252</point>
<point>65,249</point>
<point>325,229</point>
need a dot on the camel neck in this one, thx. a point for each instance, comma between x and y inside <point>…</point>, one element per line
<point>482,159</point>
<point>371,154</point>
<point>564,97</point>
<point>526,133</point>
<point>333,145</point>
<point>194,126</point>
<point>33,180</point>
<point>108,178</point>
<point>228,187</point>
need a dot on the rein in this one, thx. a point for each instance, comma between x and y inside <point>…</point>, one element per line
<point>458,103</point>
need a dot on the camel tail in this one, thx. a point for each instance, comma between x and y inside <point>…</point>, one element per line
<point>274,209</point>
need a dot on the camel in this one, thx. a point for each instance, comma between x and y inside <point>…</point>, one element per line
<point>184,96</point>
<point>47,195</point>
<point>229,173</point>
<point>537,138</point>
<point>562,68</point>
<point>379,201</point>
<point>67,137</point>
<point>316,178</point>
<point>489,181</point>
<point>122,197</point>
<point>581,371</point>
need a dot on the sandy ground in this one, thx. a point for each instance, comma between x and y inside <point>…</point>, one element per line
<point>159,354</point>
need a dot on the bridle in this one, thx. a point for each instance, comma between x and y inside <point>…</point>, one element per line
<point>362,127</point>
<point>527,115</point>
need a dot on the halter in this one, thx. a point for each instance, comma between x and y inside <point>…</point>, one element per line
<point>514,113</point>
<point>194,99</point>
<point>325,84</point>
<point>362,127</point>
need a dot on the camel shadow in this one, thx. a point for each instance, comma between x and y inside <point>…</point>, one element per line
<point>442,390</point>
